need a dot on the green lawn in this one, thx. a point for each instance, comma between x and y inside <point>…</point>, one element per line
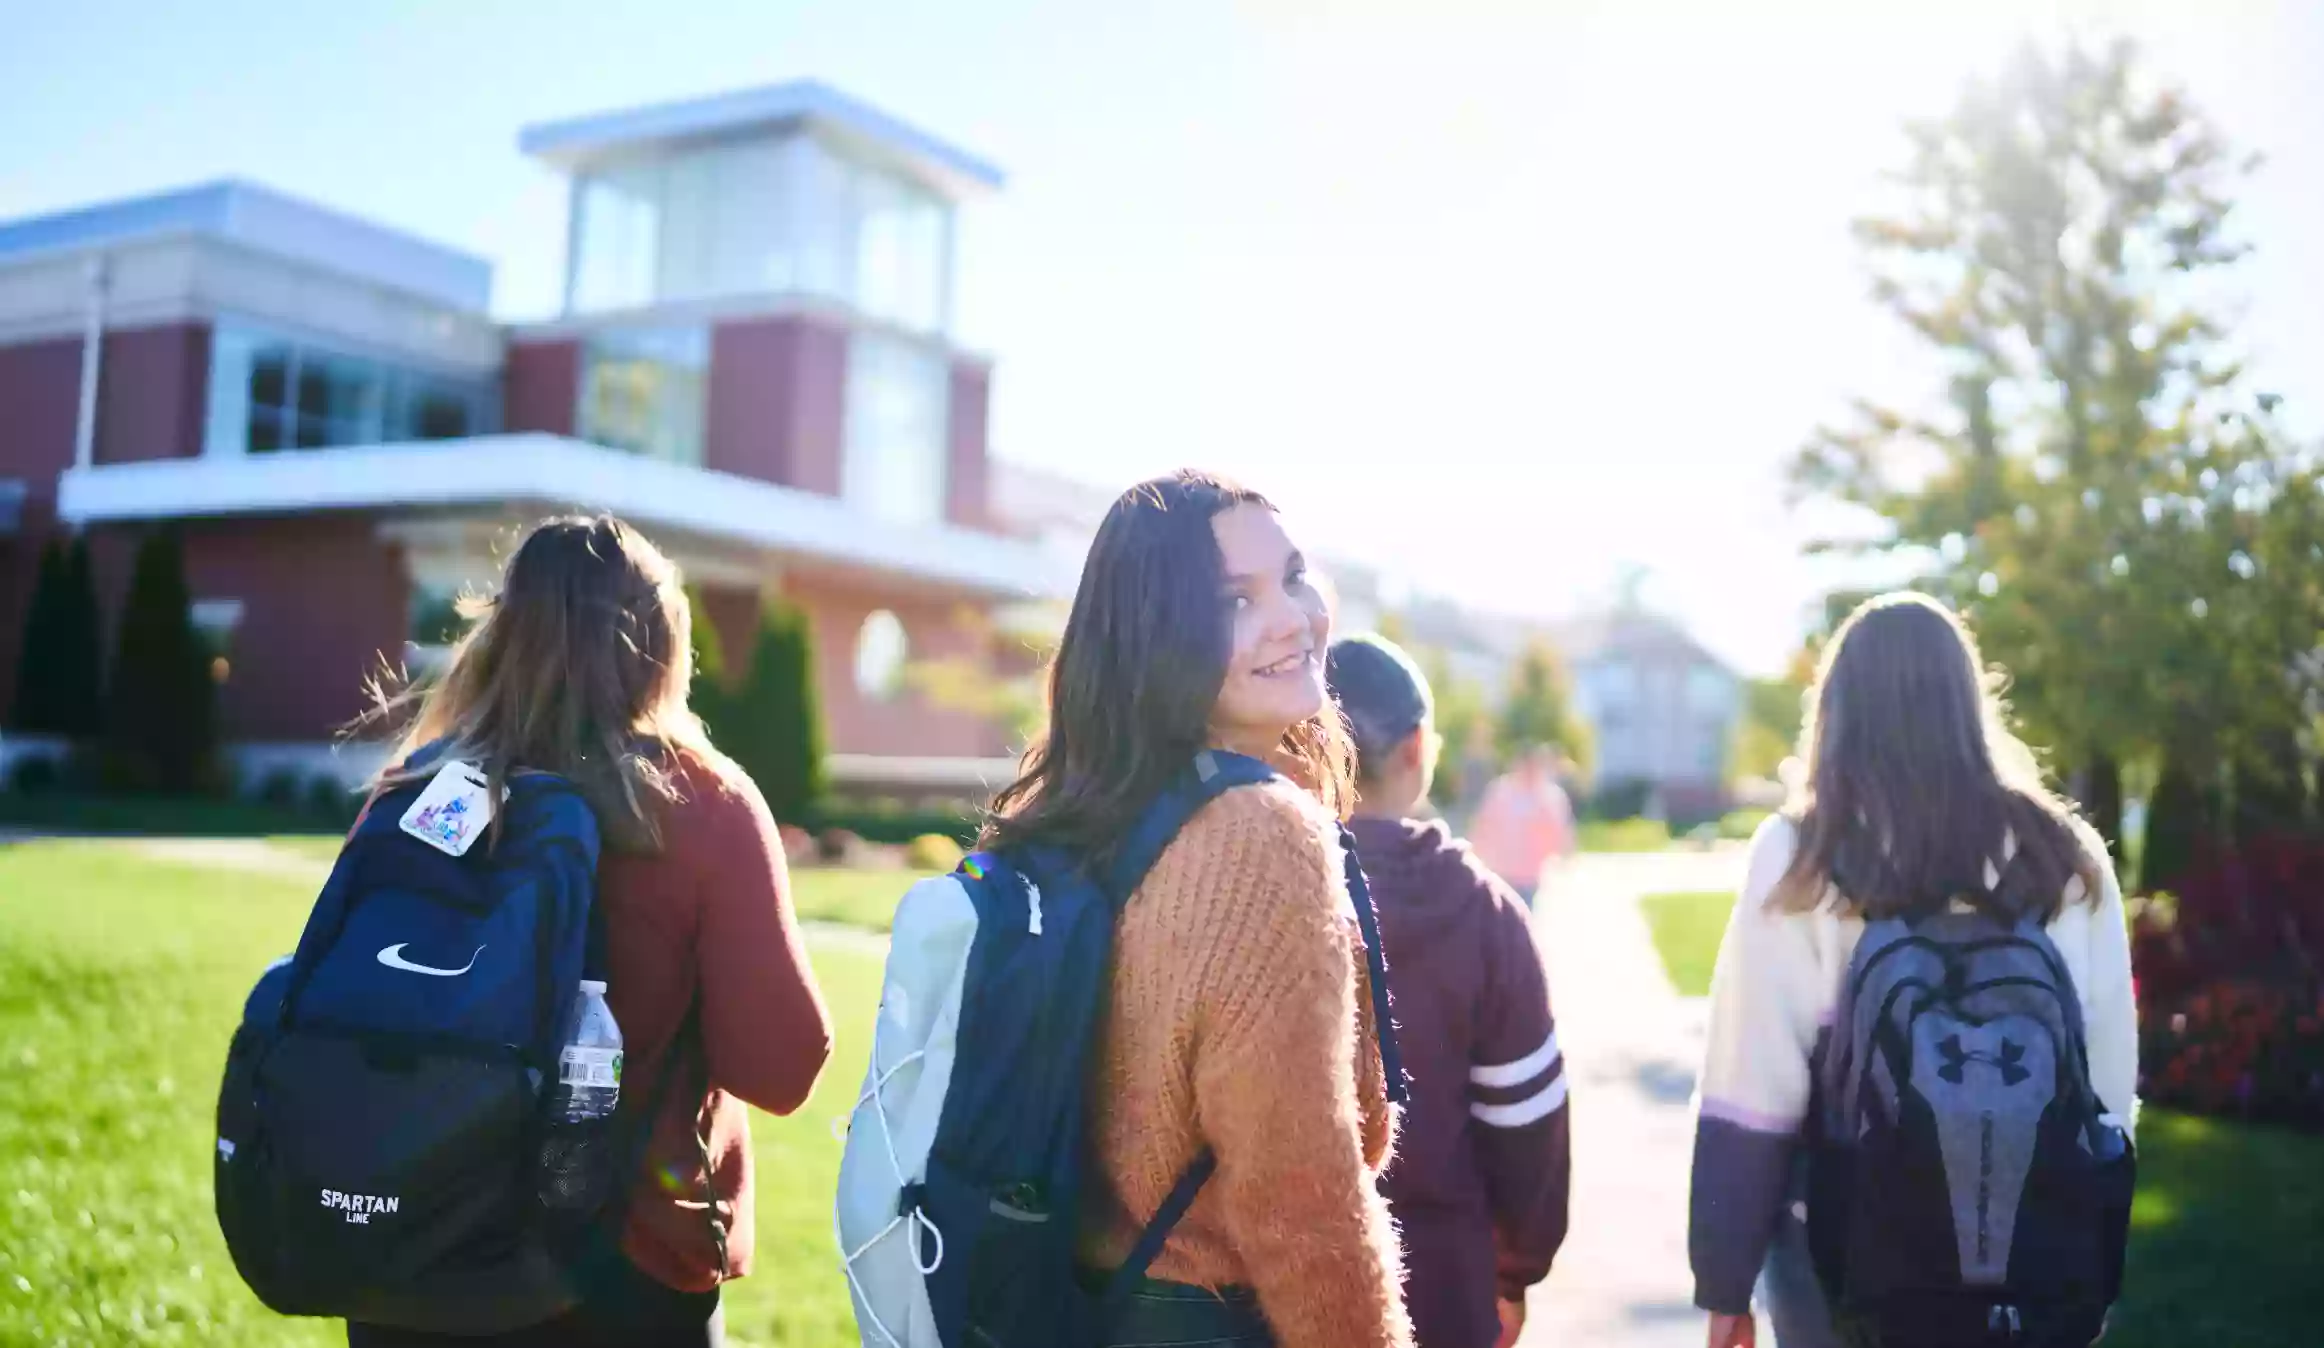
<point>199,816</point>
<point>1686,930</point>
<point>1623,835</point>
<point>2228,1231</point>
<point>2226,1239</point>
<point>856,898</point>
<point>120,978</point>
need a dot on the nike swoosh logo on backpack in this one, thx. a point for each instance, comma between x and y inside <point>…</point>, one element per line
<point>393,958</point>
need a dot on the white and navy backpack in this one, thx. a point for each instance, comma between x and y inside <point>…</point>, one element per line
<point>961,1188</point>
<point>1965,1190</point>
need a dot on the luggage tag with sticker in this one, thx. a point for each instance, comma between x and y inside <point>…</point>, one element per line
<point>451,813</point>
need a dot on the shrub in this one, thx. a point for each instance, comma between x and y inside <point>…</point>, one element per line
<point>932,852</point>
<point>2237,1048</point>
<point>1625,835</point>
<point>35,774</point>
<point>60,664</point>
<point>280,786</point>
<point>1741,824</point>
<point>1621,799</point>
<point>839,847</point>
<point>890,823</point>
<point>329,798</point>
<point>2230,969</point>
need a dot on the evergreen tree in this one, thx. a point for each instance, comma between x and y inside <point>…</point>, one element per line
<point>709,647</point>
<point>1539,709</point>
<point>35,710</point>
<point>59,688</point>
<point>2178,827</point>
<point>769,722</point>
<point>161,719</point>
<point>708,693</point>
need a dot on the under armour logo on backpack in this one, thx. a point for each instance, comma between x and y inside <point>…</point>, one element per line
<point>1957,1060</point>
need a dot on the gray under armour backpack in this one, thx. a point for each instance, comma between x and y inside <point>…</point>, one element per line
<point>1964,1189</point>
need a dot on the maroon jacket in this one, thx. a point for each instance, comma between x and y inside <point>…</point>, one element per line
<point>1482,1163</point>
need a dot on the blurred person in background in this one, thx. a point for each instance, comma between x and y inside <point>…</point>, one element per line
<point>1525,822</point>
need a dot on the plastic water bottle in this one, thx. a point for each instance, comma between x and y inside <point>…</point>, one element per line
<point>576,1148</point>
<point>589,1065</point>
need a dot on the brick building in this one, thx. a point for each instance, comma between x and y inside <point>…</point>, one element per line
<point>754,364</point>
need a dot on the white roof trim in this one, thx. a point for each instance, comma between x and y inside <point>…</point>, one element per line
<point>575,142</point>
<point>550,470</point>
<point>270,222</point>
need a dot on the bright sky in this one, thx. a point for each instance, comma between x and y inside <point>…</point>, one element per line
<point>1503,299</point>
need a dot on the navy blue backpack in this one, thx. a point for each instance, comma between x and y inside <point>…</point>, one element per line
<point>380,1124</point>
<point>962,1185</point>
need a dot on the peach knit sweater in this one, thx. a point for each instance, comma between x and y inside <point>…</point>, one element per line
<point>1241,1020</point>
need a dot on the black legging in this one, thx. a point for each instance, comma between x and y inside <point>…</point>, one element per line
<point>625,1308</point>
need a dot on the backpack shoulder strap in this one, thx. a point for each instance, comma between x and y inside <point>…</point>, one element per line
<point>1213,773</point>
<point>1376,962</point>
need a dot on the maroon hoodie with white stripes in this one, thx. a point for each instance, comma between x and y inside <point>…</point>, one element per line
<point>1483,1160</point>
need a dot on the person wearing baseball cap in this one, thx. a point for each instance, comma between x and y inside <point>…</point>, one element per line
<point>1483,1165</point>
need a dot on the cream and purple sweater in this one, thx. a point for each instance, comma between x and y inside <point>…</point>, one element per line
<point>1775,990</point>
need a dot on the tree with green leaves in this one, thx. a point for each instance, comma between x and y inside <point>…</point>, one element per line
<point>1768,730</point>
<point>2098,489</point>
<point>59,668</point>
<point>161,728</point>
<point>1539,709</point>
<point>999,676</point>
<point>709,652</point>
<point>1464,723</point>
<point>768,720</point>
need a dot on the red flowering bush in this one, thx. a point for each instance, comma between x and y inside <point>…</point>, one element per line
<point>2243,1050</point>
<point>2231,1004</point>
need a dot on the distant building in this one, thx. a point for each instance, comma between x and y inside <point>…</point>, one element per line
<point>1661,709</point>
<point>754,364</point>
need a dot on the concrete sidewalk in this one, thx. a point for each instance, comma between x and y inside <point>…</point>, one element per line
<point>1632,1046</point>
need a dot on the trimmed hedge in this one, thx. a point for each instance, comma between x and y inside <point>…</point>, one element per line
<point>891,824</point>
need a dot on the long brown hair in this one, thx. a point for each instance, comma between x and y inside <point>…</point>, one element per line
<point>579,665</point>
<point>1137,677</point>
<point>1917,790</point>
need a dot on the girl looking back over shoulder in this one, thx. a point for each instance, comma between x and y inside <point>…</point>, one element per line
<point>1240,1012</point>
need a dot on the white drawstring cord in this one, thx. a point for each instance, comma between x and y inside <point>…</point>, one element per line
<point>871,1096</point>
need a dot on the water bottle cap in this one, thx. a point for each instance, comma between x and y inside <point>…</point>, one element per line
<point>593,985</point>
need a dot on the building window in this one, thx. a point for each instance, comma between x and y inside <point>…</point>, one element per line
<point>214,622</point>
<point>616,237</point>
<point>642,389</point>
<point>898,414</point>
<point>436,619</point>
<point>1709,692</point>
<point>436,626</point>
<point>775,215</point>
<point>880,651</point>
<point>899,251</point>
<point>269,393</point>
